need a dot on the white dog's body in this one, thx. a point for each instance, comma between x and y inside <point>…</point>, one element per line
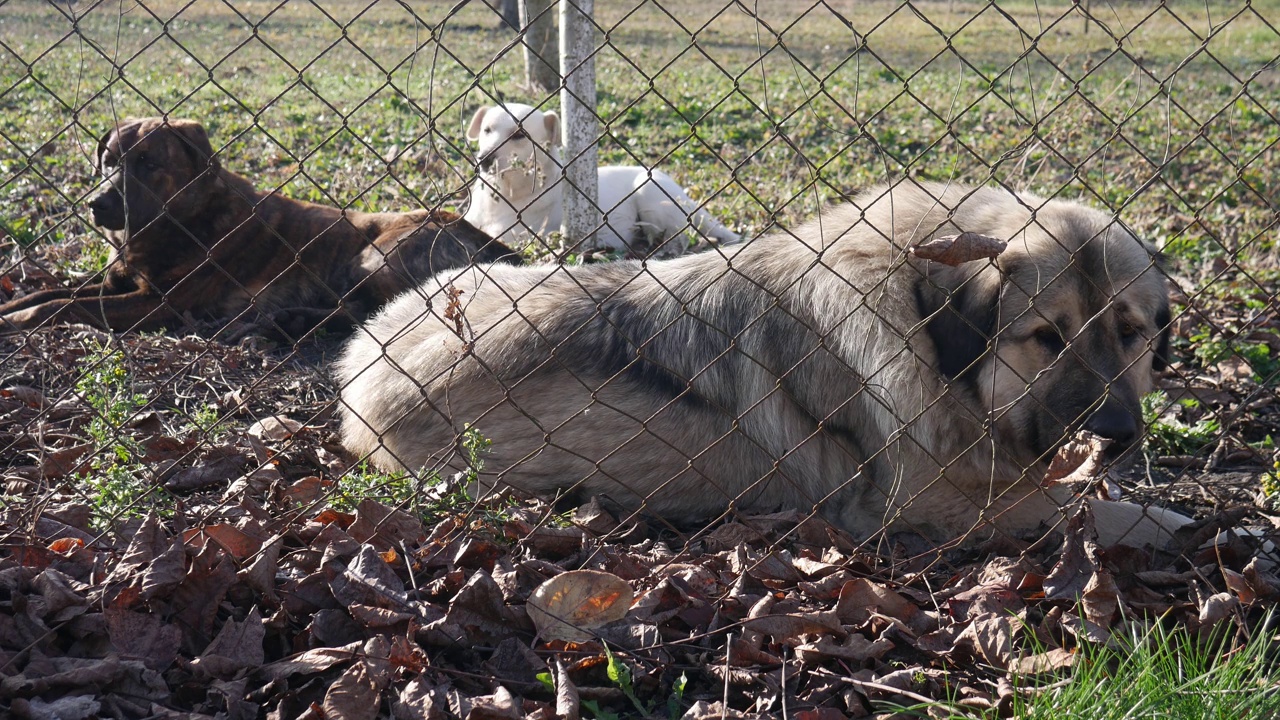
<point>519,192</point>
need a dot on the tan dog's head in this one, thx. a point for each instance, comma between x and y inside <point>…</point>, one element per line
<point>513,138</point>
<point>152,167</point>
<point>1063,332</point>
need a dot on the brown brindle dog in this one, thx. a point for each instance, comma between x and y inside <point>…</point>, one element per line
<point>193,240</point>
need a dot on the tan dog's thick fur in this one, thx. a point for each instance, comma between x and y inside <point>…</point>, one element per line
<point>191,237</point>
<point>827,369</point>
<point>520,189</point>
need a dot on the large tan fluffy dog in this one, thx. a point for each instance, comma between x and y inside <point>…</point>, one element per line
<point>825,369</point>
<point>194,239</point>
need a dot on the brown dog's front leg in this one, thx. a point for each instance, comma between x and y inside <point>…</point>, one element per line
<point>38,298</point>
<point>141,309</point>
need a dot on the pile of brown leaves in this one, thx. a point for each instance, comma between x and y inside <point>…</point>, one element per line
<point>273,603</point>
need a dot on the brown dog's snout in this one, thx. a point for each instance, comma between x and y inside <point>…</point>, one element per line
<point>1115,422</point>
<point>108,210</point>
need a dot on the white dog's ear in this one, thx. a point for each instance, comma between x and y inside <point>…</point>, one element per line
<point>473,132</point>
<point>551,121</point>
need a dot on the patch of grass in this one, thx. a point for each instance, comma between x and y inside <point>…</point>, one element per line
<point>1158,672</point>
<point>1148,671</point>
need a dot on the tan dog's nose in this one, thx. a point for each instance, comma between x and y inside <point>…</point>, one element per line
<point>1116,423</point>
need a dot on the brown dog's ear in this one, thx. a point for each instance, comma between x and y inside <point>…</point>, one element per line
<point>102,149</point>
<point>551,121</point>
<point>195,140</point>
<point>960,310</point>
<point>473,132</point>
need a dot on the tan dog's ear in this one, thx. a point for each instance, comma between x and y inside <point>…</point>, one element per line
<point>473,132</point>
<point>551,121</point>
<point>195,140</point>
<point>961,308</point>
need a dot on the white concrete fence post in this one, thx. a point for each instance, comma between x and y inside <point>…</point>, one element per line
<point>579,126</point>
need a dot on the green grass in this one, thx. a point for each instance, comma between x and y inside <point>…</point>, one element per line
<point>1150,671</point>
<point>1162,673</point>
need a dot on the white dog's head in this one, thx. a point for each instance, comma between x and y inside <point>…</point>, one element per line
<point>514,138</point>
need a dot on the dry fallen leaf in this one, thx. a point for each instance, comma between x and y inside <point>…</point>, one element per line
<point>959,249</point>
<point>274,428</point>
<point>1045,662</point>
<point>789,627</point>
<point>240,544</point>
<point>567,702</point>
<point>572,603</point>
<point>1078,461</point>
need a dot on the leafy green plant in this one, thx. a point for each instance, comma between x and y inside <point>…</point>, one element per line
<point>1270,485</point>
<point>1265,366</point>
<point>20,229</point>
<point>590,706</point>
<point>1167,434</point>
<point>675,703</point>
<point>94,255</point>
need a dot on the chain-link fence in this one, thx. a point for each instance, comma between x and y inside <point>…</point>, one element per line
<point>878,290</point>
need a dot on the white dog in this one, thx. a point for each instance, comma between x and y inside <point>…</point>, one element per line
<point>518,193</point>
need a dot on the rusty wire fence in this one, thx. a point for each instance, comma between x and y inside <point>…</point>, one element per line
<point>815,383</point>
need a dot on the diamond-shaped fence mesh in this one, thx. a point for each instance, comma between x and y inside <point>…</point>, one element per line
<point>280,271</point>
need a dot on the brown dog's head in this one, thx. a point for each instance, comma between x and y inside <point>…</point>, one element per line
<point>1063,332</point>
<point>152,167</point>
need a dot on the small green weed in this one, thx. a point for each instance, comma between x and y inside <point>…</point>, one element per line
<point>117,482</point>
<point>206,420</point>
<point>620,675</point>
<point>94,255</point>
<point>394,489</point>
<point>1270,485</point>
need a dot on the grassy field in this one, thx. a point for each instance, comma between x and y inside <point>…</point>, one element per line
<point>1166,113</point>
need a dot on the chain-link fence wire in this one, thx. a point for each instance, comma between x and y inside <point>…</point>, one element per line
<point>1163,117</point>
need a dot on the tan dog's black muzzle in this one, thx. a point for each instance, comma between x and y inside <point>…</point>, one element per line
<point>1116,423</point>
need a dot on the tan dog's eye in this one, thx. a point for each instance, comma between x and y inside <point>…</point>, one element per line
<point>1049,337</point>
